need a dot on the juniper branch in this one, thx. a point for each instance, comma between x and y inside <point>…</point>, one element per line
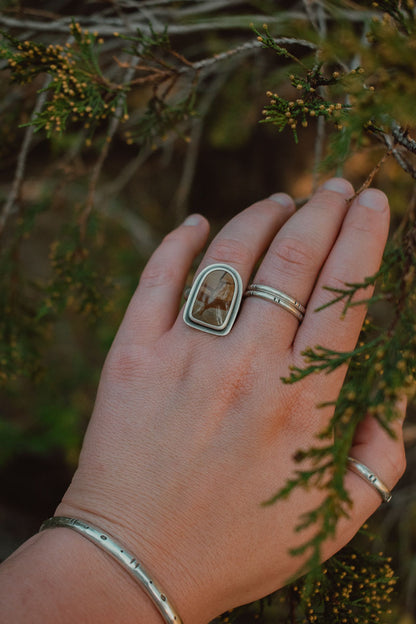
<point>323,360</point>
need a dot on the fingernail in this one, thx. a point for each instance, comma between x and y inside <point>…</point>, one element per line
<point>373,198</point>
<point>339,185</point>
<point>282,198</point>
<point>193,219</point>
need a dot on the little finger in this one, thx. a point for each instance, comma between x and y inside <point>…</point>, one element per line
<point>356,255</point>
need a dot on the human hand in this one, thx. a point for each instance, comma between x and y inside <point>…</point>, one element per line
<point>191,433</point>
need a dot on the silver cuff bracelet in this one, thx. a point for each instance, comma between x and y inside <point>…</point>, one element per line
<point>123,556</point>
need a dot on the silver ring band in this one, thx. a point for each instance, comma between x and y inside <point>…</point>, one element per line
<point>277,293</point>
<point>278,297</point>
<point>372,479</point>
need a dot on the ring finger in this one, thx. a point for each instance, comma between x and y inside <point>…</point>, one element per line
<point>297,255</point>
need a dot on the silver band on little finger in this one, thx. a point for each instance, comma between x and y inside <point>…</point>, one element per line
<point>372,479</point>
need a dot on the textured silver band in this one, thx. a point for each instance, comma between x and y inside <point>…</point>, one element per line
<point>372,479</point>
<point>278,297</point>
<point>123,556</point>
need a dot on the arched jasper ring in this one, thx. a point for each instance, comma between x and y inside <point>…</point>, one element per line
<point>368,475</point>
<point>214,300</point>
<point>279,298</point>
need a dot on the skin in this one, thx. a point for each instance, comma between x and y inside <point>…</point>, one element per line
<point>191,432</point>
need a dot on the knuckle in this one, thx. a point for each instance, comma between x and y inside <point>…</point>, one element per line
<point>362,225</point>
<point>398,463</point>
<point>292,255</point>
<point>125,362</point>
<point>231,251</point>
<point>174,237</point>
<point>158,273</point>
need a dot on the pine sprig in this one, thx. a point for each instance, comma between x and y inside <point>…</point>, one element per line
<point>75,282</point>
<point>402,12</point>
<point>161,117</point>
<point>354,586</point>
<point>324,360</point>
<point>268,42</point>
<point>78,90</point>
<point>309,101</point>
<point>148,45</point>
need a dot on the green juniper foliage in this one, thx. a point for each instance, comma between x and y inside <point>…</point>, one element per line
<point>352,588</point>
<point>146,79</point>
<point>78,89</point>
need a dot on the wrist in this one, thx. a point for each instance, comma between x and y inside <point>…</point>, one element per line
<point>68,579</point>
<point>163,562</point>
<point>121,555</point>
<point>104,588</point>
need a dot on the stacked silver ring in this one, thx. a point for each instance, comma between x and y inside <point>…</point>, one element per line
<point>278,297</point>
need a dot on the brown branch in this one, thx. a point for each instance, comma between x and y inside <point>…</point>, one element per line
<point>150,80</point>
<point>30,11</point>
<point>369,179</point>
<point>96,172</point>
<point>182,58</point>
<point>10,205</point>
<point>108,25</point>
<point>180,200</point>
<point>391,143</point>
<point>401,136</point>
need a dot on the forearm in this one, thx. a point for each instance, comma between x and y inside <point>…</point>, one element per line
<point>58,576</point>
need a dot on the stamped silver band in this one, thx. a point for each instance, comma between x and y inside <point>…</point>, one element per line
<point>123,556</point>
<point>279,298</point>
<point>372,479</point>
<point>277,293</point>
<point>214,300</point>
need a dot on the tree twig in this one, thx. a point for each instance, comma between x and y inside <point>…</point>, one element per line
<point>14,193</point>
<point>369,179</point>
<point>390,143</point>
<point>182,193</point>
<point>402,137</point>
<point>114,124</point>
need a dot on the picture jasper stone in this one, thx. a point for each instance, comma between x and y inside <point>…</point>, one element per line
<point>214,299</point>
